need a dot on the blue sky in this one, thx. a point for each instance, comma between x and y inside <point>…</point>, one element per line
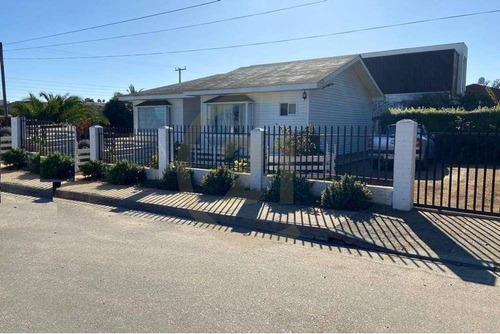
<point>99,78</point>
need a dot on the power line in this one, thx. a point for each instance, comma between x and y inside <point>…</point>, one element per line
<point>263,43</point>
<point>60,82</point>
<point>113,23</point>
<point>49,87</point>
<point>170,29</point>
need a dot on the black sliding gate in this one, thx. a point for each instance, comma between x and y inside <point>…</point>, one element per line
<point>458,171</point>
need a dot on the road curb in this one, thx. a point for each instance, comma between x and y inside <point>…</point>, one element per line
<point>283,229</point>
<point>18,189</point>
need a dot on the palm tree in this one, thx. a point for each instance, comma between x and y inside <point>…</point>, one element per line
<point>58,108</point>
<point>131,89</point>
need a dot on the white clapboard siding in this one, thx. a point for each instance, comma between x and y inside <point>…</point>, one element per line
<point>5,144</point>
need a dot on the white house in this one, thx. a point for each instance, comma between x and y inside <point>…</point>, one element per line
<point>324,91</point>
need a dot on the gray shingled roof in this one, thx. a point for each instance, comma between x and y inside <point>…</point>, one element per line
<point>277,74</point>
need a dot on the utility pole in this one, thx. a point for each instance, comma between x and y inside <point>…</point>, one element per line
<point>4,90</point>
<point>178,69</point>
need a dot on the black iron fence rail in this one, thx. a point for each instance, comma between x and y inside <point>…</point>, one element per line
<point>135,145</point>
<point>209,147</point>
<point>44,137</point>
<point>458,171</point>
<point>327,152</point>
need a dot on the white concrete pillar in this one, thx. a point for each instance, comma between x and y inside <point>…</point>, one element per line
<point>95,144</point>
<point>17,130</point>
<point>257,147</point>
<point>165,148</point>
<point>404,165</point>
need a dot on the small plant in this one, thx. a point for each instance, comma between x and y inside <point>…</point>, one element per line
<point>34,163</point>
<point>85,143</point>
<point>346,194</point>
<point>240,165</point>
<point>125,173</point>
<point>218,181</point>
<point>154,161</point>
<point>288,187</point>
<point>56,166</point>
<point>16,158</point>
<point>5,132</point>
<point>176,177</point>
<point>94,169</point>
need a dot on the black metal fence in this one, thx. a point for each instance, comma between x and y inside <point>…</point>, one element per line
<point>458,171</point>
<point>134,145</point>
<point>44,137</point>
<point>209,147</point>
<point>325,153</point>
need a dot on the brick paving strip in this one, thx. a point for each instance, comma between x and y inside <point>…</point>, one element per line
<point>458,239</point>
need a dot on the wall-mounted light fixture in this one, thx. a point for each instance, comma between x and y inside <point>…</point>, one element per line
<point>304,95</point>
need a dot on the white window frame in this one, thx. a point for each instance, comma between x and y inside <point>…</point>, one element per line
<point>287,109</point>
<point>249,111</point>
<point>166,108</point>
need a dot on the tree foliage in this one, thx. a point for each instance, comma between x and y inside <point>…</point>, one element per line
<point>120,114</point>
<point>58,108</point>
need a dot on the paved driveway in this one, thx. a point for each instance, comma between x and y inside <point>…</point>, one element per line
<point>76,267</point>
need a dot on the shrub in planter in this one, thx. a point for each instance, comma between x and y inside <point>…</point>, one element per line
<point>5,132</point>
<point>218,181</point>
<point>125,172</point>
<point>56,166</point>
<point>346,194</point>
<point>34,163</point>
<point>85,143</point>
<point>16,158</point>
<point>288,187</point>
<point>175,175</point>
<point>94,169</point>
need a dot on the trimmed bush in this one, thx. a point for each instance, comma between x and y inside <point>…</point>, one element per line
<point>85,143</point>
<point>34,163</point>
<point>125,173</point>
<point>447,119</point>
<point>94,169</point>
<point>288,187</point>
<point>5,132</point>
<point>346,194</point>
<point>218,181</point>
<point>16,158</point>
<point>56,166</point>
<point>176,175</point>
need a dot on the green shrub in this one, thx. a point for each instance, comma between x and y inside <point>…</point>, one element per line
<point>56,166</point>
<point>176,177</point>
<point>94,169</point>
<point>218,181</point>
<point>5,132</point>
<point>125,172</point>
<point>34,163</point>
<point>288,187</point>
<point>447,119</point>
<point>16,158</point>
<point>346,194</point>
<point>84,143</point>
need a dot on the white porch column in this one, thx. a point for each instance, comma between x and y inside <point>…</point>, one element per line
<point>95,145</point>
<point>256,158</point>
<point>404,165</point>
<point>17,130</point>
<point>165,149</point>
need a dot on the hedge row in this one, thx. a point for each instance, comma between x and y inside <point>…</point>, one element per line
<point>447,119</point>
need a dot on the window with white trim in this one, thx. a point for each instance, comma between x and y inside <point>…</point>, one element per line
<point>152,117</point>
<point>288,109</point>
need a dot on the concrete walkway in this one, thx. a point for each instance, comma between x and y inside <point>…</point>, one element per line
<point>456,239</point>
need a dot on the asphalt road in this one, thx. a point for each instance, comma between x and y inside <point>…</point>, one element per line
<point>69,266</point>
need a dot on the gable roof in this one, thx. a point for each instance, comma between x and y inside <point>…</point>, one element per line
<point>310,71</point>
